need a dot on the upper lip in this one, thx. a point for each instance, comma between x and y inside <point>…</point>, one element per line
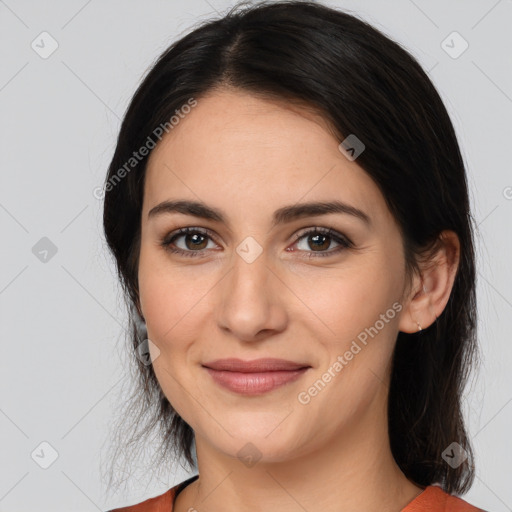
<point>256,365</point>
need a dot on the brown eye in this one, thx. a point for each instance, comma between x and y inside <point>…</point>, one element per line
<point>318,240</point>
<point>194,241</point>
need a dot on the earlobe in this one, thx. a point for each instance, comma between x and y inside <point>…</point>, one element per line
<point>432,293</point>
<point>413,320</point>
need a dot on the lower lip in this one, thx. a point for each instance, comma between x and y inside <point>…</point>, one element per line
<point>254,383</point>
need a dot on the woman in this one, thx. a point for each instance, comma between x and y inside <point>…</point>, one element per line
<point>288,210</point>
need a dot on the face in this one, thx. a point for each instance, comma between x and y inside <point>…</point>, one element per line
<point>249,283</point>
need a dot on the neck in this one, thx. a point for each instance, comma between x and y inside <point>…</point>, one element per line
<point>353,469</point>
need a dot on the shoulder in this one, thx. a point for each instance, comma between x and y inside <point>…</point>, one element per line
<point>161,503</point>
<point>433,498</point>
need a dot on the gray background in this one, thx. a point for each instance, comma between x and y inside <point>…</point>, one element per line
<point>62,337</point>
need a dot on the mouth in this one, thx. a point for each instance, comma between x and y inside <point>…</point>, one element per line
<point>254,377</point>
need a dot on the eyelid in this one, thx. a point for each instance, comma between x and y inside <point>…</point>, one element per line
<point>331,232</point>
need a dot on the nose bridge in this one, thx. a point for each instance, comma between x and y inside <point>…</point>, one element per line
<point>249,303</point>
<point>249,275</point>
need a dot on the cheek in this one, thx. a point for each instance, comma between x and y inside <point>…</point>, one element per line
<point>175,303</point>
<point>171,297</point>
<point>164,305</point>
<point>359,311</point>
<point>343,302</point>
<point>170,307</point>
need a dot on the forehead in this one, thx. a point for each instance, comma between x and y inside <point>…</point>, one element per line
<point>248,154</point>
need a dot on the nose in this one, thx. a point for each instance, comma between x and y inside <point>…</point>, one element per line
<point>252,303</point>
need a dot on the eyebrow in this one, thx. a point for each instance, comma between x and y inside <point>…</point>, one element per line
<point>281,216</point>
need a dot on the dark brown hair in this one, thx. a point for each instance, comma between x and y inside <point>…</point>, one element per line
<point>362,83</point>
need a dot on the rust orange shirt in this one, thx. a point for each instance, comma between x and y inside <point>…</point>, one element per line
<point>432,499</point>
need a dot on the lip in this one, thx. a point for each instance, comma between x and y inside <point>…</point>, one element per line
<point>267,364</point>
<point>254,377</point>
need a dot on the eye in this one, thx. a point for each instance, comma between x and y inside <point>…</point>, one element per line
<point>195,240</point>
<point>321,238</point>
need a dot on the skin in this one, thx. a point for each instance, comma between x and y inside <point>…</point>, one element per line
<point>249,157</point>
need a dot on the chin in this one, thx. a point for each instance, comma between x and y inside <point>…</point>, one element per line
<point>260,445</point>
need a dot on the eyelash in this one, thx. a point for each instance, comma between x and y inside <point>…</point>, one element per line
<point>344,242</point>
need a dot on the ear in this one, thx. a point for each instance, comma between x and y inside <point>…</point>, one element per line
<point>431,290</point>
